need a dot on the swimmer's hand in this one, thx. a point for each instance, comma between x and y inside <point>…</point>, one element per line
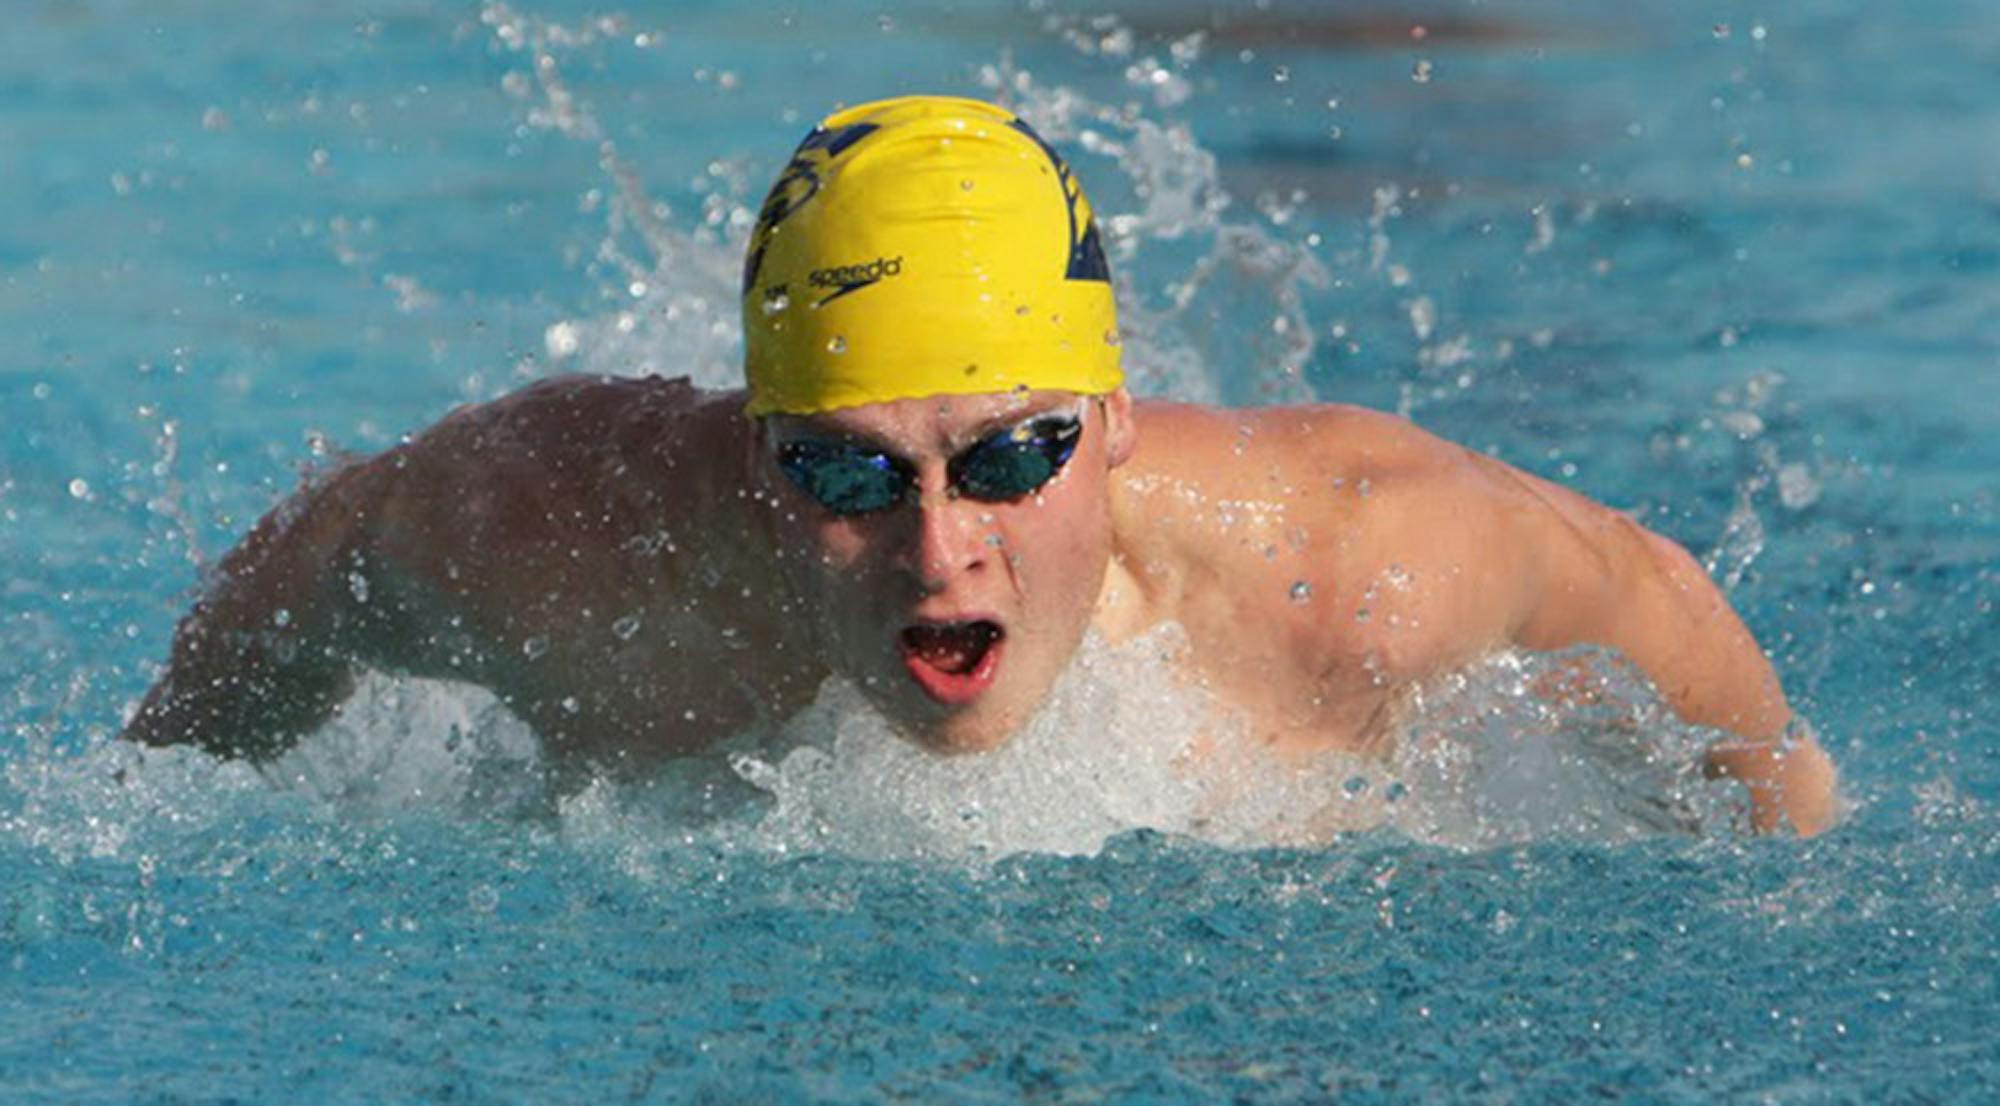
<point>1790,780</point>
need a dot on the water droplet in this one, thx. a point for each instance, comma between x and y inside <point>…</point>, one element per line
<point>570,705</point>
<point>79,488</point>
<point>1362,615</point>
<point>626,628</point>
<point>1355,785</point>
<point>281,617</point>
<point>966,184</point>
<point>358,585</point>
<point>1281,74</point>
<point>1720,30</point>
<point>1421,72</point>
<point>1302,592</point>
<point>836,344</point>
<point>1112,337</point>
<point>1021,310</point>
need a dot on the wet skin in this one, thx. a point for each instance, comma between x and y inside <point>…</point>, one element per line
<point>624,564</point>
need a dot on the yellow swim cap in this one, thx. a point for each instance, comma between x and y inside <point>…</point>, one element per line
<point>924,246</point>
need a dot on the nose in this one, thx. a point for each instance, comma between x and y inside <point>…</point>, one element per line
<point>950,538</point>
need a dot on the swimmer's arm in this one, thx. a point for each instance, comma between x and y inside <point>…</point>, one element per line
<point>255,665</point>
<point>1598,577</point>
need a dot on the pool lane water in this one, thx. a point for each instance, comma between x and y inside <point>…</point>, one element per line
<point>1731,269</point>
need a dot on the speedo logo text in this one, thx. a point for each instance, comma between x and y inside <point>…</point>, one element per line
<point>849,276</point>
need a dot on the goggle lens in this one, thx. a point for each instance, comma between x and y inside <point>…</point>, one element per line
<point>1012,464</point>
<point>852,479</point>
<point>845,479</point>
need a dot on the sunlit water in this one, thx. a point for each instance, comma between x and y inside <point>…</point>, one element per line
<point>1736,271</point>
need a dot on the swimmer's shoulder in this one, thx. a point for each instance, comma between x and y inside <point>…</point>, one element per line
<point>1293,451</point>
<point>567,433</point>
<point>1330,494</point>
<point>570,454</point>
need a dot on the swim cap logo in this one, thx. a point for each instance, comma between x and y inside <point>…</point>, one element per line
<point>1086,249</point>
<point>852,278</point>
<point>796,186</point>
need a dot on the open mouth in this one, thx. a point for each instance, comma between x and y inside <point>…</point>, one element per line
<point>952,661</point>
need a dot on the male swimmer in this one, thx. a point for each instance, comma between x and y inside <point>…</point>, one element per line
<point>933,485</point>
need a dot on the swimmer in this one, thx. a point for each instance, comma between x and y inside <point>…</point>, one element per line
<point>934,484</point>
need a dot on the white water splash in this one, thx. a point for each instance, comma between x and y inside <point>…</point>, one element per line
<point>1516,748</point>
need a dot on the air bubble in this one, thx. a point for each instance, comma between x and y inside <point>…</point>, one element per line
<point>836,344</point>
<point>1302,592</point>
<point>626,628</point>
<point>79,488</point>
<point>1421,72</point>
<point>776,302</point>
<point>535,647</point>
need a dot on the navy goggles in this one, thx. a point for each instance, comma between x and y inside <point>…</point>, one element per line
<point>849,478</point>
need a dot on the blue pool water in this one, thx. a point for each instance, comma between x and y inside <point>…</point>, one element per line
<point>1733,268</point>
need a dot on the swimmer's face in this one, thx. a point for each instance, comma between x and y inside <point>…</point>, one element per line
<point>952,605</point>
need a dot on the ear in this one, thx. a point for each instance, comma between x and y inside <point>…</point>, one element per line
<point>1121,430</point>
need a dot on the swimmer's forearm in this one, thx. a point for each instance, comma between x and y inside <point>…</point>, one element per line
<point>1643,595</point>
<point>1791,780</point>
<point>1714,674</point>
<point>256,664</point>
<point>235,701</point>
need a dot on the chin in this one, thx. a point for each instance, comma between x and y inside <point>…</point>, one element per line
<point>962,734</point>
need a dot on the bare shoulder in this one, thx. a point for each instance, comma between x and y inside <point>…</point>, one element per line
<point>1177,437</point>
<point>1344,531</point>
<point>564,455</point>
